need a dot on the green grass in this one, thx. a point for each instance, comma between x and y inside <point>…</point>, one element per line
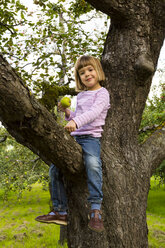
<point>18,227</point>
<point>156,215</point>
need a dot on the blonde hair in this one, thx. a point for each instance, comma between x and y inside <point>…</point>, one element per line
<point>84,61</point>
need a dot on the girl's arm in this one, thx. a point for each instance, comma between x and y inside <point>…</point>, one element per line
<point>65,110</point>
<point>67,113</point>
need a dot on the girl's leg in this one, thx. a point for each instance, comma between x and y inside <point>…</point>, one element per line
<point>59,199</point>
<point>93,165</point>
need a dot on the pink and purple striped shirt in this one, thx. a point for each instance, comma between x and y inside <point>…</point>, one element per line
<point>91,111</point>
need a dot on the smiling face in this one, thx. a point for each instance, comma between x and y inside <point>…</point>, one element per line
<point>89,77</point>
<point>89,74</point>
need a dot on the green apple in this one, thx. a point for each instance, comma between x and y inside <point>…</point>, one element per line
<point>65,102</point>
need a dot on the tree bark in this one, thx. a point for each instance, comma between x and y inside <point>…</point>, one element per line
<point>32,125</point>
<point>129,60</point>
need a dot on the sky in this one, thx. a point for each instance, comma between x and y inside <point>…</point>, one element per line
<point>160,72</point>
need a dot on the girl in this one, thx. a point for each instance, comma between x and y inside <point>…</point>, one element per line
<point>85,124</point>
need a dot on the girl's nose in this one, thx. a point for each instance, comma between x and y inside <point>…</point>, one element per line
<point>86,73</point>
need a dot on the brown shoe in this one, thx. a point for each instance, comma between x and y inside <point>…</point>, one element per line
<point>56,219</point>
<point>95,223</point>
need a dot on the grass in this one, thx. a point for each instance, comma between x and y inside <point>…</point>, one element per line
<point>18,227</point>
<point>156,215</point>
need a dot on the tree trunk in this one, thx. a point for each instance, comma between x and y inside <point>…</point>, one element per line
<point>129,60</point>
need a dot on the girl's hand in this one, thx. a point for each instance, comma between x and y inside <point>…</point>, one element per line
<point>65,110</point>
<point>62,109</point>
<point>70,126</point>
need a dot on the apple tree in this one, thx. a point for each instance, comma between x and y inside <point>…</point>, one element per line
<point>42,45</point>
<point>129,60</point>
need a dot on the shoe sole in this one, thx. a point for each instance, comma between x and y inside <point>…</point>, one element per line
<point>58,222</point>
<point>96,230</point>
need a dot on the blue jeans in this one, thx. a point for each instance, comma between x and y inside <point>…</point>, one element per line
<point>91,156</point>
<point>58,193</point>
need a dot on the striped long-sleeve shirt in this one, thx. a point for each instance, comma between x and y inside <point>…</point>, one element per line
<point>90,113</point>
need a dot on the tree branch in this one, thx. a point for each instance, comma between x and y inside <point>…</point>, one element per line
<point>8,27</point>
<point>34,126</point>
<point>152,128</point>
<point>154,149</point>
<point>113,8</point>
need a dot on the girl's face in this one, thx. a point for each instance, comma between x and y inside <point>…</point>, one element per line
<point>89,77</point>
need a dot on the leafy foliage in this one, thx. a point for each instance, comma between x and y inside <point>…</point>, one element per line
<point>153,115</point>
<point>154,118</point>
<point>160,173</point>
<point>19,166</point>
<point>46,44</point>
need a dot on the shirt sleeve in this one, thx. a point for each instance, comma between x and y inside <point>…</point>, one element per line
<point>72,115</point>
<point>101,103</point>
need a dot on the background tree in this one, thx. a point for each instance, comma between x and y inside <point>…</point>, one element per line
<point>129,59</point>
<point>20,168</point>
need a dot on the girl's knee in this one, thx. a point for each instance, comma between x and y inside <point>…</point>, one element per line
<point>93,163</point>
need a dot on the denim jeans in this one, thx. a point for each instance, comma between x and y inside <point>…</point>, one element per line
<point>58,193</point>
<point>91,156</point>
